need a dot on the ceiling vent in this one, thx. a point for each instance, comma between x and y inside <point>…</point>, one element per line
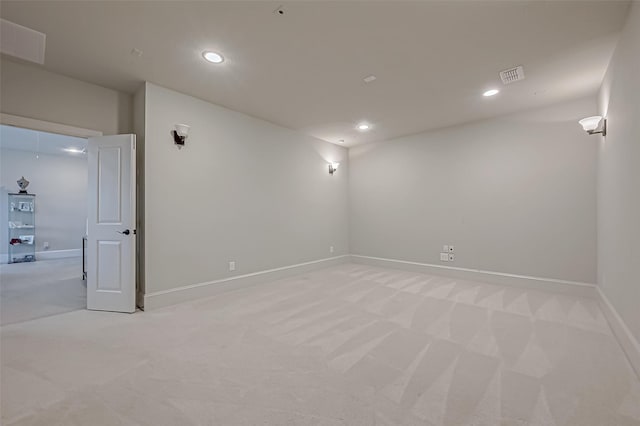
<point>22,42</point>
<point>512,75</point>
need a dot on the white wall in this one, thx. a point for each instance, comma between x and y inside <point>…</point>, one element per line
<point>619,178</point>
<point>31,91</point>
<point>241,189</point>
<point>60,185</point>
<point>514,194</point>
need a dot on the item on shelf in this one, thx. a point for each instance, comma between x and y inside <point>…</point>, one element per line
<point>15,241</point>
<point>25,206</point>
<point>26,239</point>
<point>22,184</point>
<point>25,258</point>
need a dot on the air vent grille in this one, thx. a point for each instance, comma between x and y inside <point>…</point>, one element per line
<point>512,75</point>
<point>21,42</point>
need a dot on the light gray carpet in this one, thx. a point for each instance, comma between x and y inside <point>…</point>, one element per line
<point>41,288</point>
<point>348,345</point>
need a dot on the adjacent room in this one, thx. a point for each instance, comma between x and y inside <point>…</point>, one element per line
<point>43,223</point>
<point>305,213</point>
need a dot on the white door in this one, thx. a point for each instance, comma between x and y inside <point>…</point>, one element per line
<point>111,239</point>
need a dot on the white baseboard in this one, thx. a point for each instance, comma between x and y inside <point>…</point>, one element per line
<point>627,340</point>
<point>545,284</point>
<point>49,254</point>
<point>58,254</point>
<point>159,299</point>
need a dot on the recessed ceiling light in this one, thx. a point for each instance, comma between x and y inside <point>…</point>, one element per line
<point>491,92</point>
<point>369,79</point>
<point>74,150</point>
<point>213,57</point>
<point>363,127</point>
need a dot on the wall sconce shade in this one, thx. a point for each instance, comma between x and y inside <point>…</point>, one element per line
<point>333,167</point>
<point>591,124</point>
<point>180,134</point>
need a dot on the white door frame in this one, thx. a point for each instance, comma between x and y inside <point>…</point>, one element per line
<point>47,126</point>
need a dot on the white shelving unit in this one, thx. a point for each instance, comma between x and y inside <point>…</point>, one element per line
<point>22,228</point>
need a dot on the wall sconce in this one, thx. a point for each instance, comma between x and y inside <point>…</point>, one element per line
<point>333,167</point>
<point>180,134</point>
<point>591,124</point>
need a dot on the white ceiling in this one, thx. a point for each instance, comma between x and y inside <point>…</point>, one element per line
<point>305,69</point>
<point>39,142</point>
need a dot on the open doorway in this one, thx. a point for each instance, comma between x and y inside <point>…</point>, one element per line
<point>42,231</point>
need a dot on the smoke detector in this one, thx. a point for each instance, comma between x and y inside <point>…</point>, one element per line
<point>512,75</point>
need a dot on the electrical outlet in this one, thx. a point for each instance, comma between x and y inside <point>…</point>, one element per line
<point>445,249</point>
<point>232,266</point>
<point>45,245</point>
<point>330,249</point>
<point>452,257</point>
<point>450,249</point>
<point>444,257</point>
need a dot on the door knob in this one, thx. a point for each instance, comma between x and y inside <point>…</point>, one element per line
<point>125,232</point>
